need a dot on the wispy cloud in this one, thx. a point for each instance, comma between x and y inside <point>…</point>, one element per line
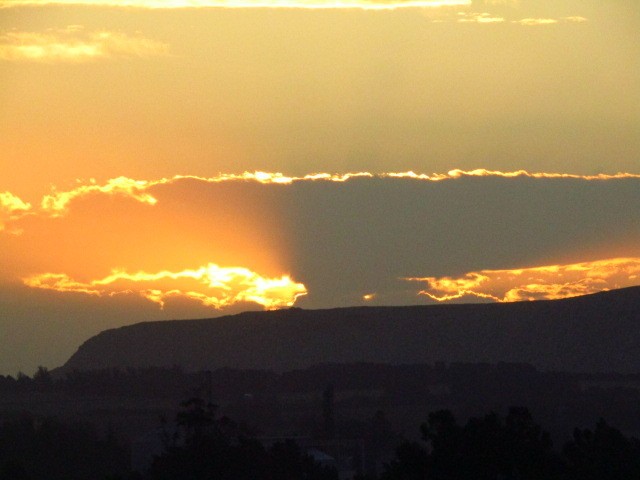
<point>57,203</point>
<point>576,19</point>
<point>306,4</point>
<point>482,172</point>
<point>530,22</point>
<point>538,283</point>
<point>490,12</point>
<point>75,44</point>
<point>534,22</point>
<point>11,208</point>
<point>474,17</point>
<point>211,285</point>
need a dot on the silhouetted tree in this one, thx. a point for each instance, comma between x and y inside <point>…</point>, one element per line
<point>42,378</point>
<point>602,454</point>
<point>412,462</point>
<point>484,449</point>
<point>329,422</point>
<point>208,448</point>
<point>379,439</point>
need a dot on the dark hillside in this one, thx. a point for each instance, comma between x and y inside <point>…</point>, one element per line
<point>594,333</point>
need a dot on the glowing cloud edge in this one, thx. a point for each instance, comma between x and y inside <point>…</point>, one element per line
<point>549,282</point>
<point>12,207</point>
<point>218,287</point>
<point>57,202</point>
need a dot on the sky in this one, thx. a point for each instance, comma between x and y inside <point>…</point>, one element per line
<point>195,158</point>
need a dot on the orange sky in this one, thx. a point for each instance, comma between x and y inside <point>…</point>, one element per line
<point>101,92</point>
<point>126,126</point>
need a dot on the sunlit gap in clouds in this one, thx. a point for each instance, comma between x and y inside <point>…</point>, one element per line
<point>549,282</point>
<point>211,285</point>
<point>303,4</point>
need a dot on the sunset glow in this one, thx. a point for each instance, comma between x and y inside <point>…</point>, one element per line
<point>211,285</point>
<point>550,282</point>
<point>193,158</point>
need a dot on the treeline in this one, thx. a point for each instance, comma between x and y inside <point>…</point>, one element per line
<point>512,448</point>
<point>485,448</point>
<point>204,446</point>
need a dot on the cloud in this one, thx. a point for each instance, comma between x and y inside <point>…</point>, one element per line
<point>57,203</point>
<point>548,282</point>
<point>501,2</point>
<point>471,17</point>
<point>342,236</point>
<point>482,172</point>
<point>575,19</point>
<point>485,12</point>
<point>533,22</point>
<point>75,44</point>
<point>210,285</point>
<point>530,22</point>
<point>305,4</point>
<point>11,208</point>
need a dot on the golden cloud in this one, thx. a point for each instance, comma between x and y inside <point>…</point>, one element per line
<point>57,203</point>
<point>481,172</point>
<point>211,285</point>
<point>531,22</point>
<point>548,282</point>
<point>305,4</point>
<point>464,17</point>
<point>74,44</point>
<point>575,19</point>
<point>480,16</point>
<point>11,208</point>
